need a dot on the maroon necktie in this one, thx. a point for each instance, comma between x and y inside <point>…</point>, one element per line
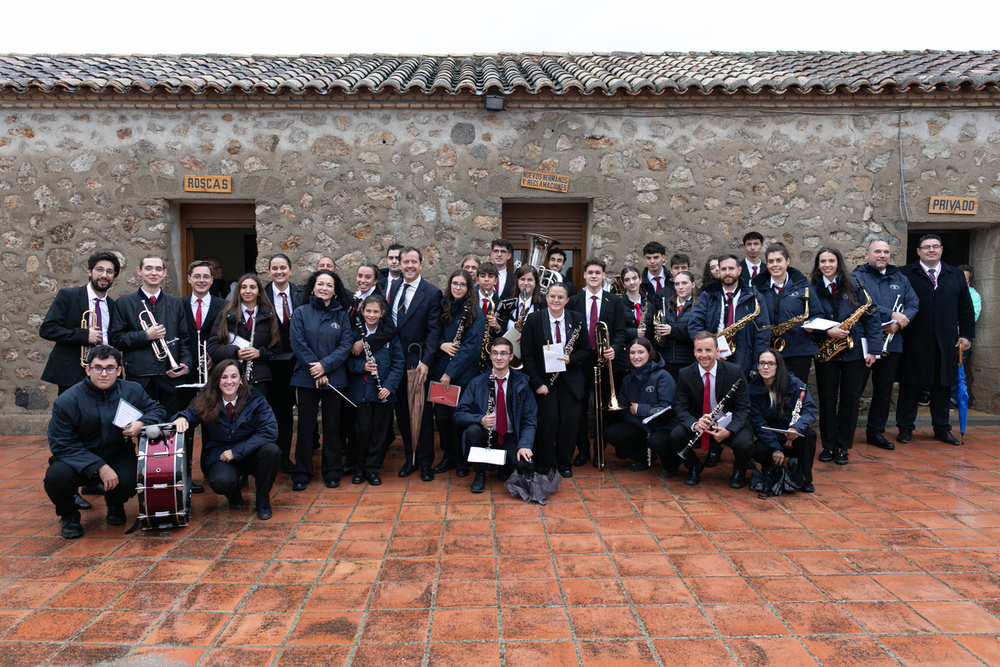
<point>777,289</point>
<point>593,323</point>
<point>706,407</point>
<point>558,336</point>
<point>730,314</point>
<point>638,313</point>
<point>284,308</point>
<point>197,317</point>
<point>659,286</point>
<point>97,314</point>
<point>354,310</point>
<point>501,423</point>
<point>833,290</point>
<point>229,411</point>
<point>753,273</point>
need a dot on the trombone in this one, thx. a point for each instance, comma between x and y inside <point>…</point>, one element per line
<point>87,322</point>
<point>161,348</point>
<point>603,344</point>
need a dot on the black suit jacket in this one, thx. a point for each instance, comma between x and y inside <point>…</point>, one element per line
<point>195,336</point>
<point>537,334</point>
<point>612,313</point>
<point>420,324</point>
<point>648,287</point>
<point>745,274</point>
<point>299,299</point>
<point>510,288</point>
<point>62,326</point>
<point>690,393</point>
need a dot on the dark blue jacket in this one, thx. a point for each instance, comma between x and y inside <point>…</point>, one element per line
<point>250,429</point>
<point>762,413</point>
<point>651,389</point>
<point>751,340</point>
<point>320,333</point>
<point>791,303</point>
<point>677,348</point>
<point>868,327</point>
<point>81,434</point>
<point>420,325</point>
<point>884,288</point>
<point>388,358</point>
<point>465,364</point>
<point>520,405</point>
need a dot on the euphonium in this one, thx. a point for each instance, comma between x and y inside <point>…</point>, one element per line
<point>777,342</point>
<point>831,347</point>
<point>86,322</point>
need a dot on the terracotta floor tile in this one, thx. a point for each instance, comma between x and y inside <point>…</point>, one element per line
<point>985,647</point>
<point>468,568</point>
<point>83,654</point>
<point>177,571</point>
<point>252,549</point>
<point>734,620</point>
<point>761,564</point>
<point>821,562</point>
<point>669,590</point>
<point>233,572</point>
<point>360,549</point>
<point>522,545</point>
<point>187,629</point>
<point>84,595</point>
<point>119,627</point>
<point>816,618</point>
<point>540,654</point>
<point>403,595</point>
<point>609,654</point>
<point>643,565</point>
<point>50,625</point>
<point>481,593</point>
<point>739,542</point>
<point>308,656</point>
<point>671,524</point>
<point>848,651</point>
<point>322,628</point>
<point>631,544</point>
<point>770,650</point>
<point>58,569</point>
<point>526,567</point>
<point>604,623</point>
<point>476,624</point>
<point>675,621</point>
<point>355,531</point>
<point>144,596</point>
<point>593,592</point>
<point>957,617</point>
<point>588,567</point>
<point>693,653</point>
<point>534,623</point>
<point>394,626</point>
<point>702,565</point>
<point>292,572</point>
<point>452,547</point>
<point>256,630</point>
<point>459,528</point>
<point>277,598</point>
<point>886,617</point>
<point>916,587</point>
<point>408,569</point>
<point>230,657</point>
<point>787,589</point>
<point>25,653</point>
<point>331,597</point>
<point>940,561</point>
<point>378,655</point>
<point>575,544</point>
<point>530,593</point>
<point>212,597</point>
<point>304,549</point>
<point>686,544</point>
<point>936,650</point>
<point>350,571</point>
<point>485,653</point>
<point>569,526</point>
<point>30,594</point>
<point>721,590</point>
<point>974,585</point>
<point>785,541</point>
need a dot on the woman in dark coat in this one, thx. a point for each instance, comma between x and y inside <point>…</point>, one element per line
<point>670,333</point>
<point>240,432</point>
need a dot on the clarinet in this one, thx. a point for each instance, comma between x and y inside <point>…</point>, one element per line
<point>253,331</point>
<point>457,340</point>
<point>712,416</point>
<point>568,350</point>
<point>797,410</point>
<point>370,358</point>
<point>491,403</point>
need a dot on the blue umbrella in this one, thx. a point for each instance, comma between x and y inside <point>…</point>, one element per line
<point>963,396</point>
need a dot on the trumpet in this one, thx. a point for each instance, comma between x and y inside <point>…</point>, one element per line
<point>897,307</point>
<point>202,367</point>
<point>161,347</point>
<point>86,322</point>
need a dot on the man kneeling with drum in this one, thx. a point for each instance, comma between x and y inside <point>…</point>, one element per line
<point>241,432</point>
<point>87,448</point>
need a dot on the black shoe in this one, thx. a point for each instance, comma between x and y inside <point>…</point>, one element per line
<point>264,513</point>
<point>461,469</point>
<point>840,456</point>
<point>333,482</point>
<point>359,477</point>
<point>236,504</point>
<point>568,472</point>
<point>116,515</point>
<point>712,459</point>
<point>877,439</point>
<point>638,466</point>
<point>198,488</point>
<point>426,474</point>
<point>374,479</point>
<point>81,502</point>
<point>738,479</point>
<point>581,459</point>
<point>447,463</point>
<point>808,488</point>
<point>287,467</point>
<point>826,455</point>
<point>904,436</point>
<point>694,474</point>
<point>925,398</point>
<point>946,437</point>
<point>71,528</point>
<point>92,489</point>
<point>299,486</point>
<point>668,472</point>
<point>479,483</point>
<point>406,470</point>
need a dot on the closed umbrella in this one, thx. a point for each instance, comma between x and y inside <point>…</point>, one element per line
<point>415,395</point>
<point>963,396</point>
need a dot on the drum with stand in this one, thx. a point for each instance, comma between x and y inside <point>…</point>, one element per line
<point>163,487</point>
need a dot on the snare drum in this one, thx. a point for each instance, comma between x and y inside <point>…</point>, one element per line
<point>163,487</point>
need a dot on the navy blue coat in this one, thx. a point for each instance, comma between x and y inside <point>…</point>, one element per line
<point>421,324</point>
<point>884,288</point>
<point>235,324</point>
<point>388,358</point>
<point>791,303</point>
<point>678,347</point>
<point>253,427</point>
<point>320,333</point>
<point>762,412</point>
<point>651,389</point>
<point>81,434</point>
<point>751,340</point>
<point>465,364</point>
<point>868,327</point>
<point>520,404</point>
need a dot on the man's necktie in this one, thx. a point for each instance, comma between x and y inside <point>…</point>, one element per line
<point>558,335</point>
<point>753,273</point>
<point>357,304</point>
<point>486,305</point>
<point>284,309</point>
<point>833,291</point>
<point>638,313</point>
<point>706,407</point>
<point>931,273</point>
<point>97,316</point>
<point>659,284</point>
<point>401,307</point>
<point>197,317</point>
<point>593,323</point>
<point>152,299</point>
<point>229,411</point>
<point>249,323</point>
<point>501,423</point>
<point>730,310</point>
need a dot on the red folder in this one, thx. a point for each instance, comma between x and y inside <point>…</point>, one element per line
<point>439,395</point>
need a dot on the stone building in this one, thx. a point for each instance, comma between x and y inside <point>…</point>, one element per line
<point>343,155</point>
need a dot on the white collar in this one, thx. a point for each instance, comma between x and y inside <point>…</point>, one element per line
<point>828,282</point>
<point>782,285</point>
<point>711,371</point>
<point>91,294</point>
<point>151,296</point>
<point>928,269</point>
<point>205,300</point>
<point>359,295</point>
<point>504,377</point>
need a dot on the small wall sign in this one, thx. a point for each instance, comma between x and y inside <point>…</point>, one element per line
<point>954,205</point>
<point>542,181</point>
<point>217,184</point>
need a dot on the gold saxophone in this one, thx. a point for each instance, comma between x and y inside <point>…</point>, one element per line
<point>733,328</point>
<point>831,347</point>
<point>484,352</point>
<point>778,330</point>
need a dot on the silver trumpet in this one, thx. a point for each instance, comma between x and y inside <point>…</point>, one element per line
<point>202,368</point>
<point>161,347</point>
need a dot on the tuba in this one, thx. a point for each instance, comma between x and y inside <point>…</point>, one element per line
<point>538,250</point>
<point>86,322</point>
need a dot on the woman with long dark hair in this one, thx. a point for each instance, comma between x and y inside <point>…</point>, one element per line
<point>774,394</point>
<point>670,334</point>
<point>456,364</point>
<point>711,271</point>
<point>240,430</point>
<point>840,379</point>
<point>247,331</point>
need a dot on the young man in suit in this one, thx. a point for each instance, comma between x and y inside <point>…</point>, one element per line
<point>416,311</point>
<point>700,387</point>
<point>501,250</point>
<point>752,265</point>
<point>596,305</point>
<point>387,275</point>
<point>655,277</point>
<point>286,297</point>
<point>557,262</point>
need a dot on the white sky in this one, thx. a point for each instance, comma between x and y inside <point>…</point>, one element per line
<point>447,26</point>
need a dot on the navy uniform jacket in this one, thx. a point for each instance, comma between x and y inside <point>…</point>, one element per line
<point>388,355</point>
<point>762,413</point>
<point>690,393</point>
<point>299,299</point>
<point>651,389</point>
<point>321,333</point>
<point>884,288</point>
<point>751,340</point>
<point>420,324</point>
<point>235,324</point>
<point>465,364</point>
<point>520,401</point>
<point>868,327</point>
<point>678,347</point>
<point>791,303</point>
<point>128,336</point>
<point>251,428</point>
<point>534,337</point>
<point>945,314</point>
<point>81,434</point>
<point>62,326</point>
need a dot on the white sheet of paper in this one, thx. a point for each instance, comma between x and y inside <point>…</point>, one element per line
<point>864,347</point>
<point>723,346</point>
<point>781,430</point>
<point>656,414</point>
<point>238,341</point>
<point>495,456</point>
<point>819,324</point>
<point>551,354</point>
<point>125,414</point>
<point>724,420</point>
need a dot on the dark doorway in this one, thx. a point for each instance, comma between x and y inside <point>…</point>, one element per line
<point>225,231</point>
<point>566,223</point>
<point>955,242</point>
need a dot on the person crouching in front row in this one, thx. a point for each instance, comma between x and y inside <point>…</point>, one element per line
<point>241,434</point>
<point>513,420</point>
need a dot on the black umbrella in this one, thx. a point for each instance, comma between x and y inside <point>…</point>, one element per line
<point>775,480</point>
<point>533,486</point>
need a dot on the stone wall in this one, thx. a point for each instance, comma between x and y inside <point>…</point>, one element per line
<point>349,183</point>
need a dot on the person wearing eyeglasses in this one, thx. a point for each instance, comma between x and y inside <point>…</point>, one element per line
<point>945,321</point>
<point>501,250</point>
<point>87,448</point>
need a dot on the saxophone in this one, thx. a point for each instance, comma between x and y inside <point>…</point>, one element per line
<point>733,328</point>
<point>248,370</point>
<point>831,347</point>
<point>484,352</point>
<point>567,350</point>
<point>777,342</point>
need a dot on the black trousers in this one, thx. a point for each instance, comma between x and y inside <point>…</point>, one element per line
<point>558,422</point>
<point>262,463</point>
<point>741,442</point>
<point>372,422</point>
<point>476,436</point>
<point>282,400</point>
<point>425,439</point>
<point>803,448</point>
<point>909,396</point>
<point>883,374</point>
<point>448,432</point>
<point>309,405</point>
<point>631,441</point>
<point>62,481</point>
<point>838,388</point>
<point>799,366</point>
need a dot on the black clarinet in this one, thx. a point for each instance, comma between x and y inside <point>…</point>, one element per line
<point>713,415</point>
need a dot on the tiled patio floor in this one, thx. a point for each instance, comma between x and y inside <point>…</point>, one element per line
<point>894,559</point>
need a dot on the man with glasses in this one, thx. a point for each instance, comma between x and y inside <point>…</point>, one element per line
<point>87,448</point>
<point>500,253</point>
<point>512,422</point>
<point>945,321</point>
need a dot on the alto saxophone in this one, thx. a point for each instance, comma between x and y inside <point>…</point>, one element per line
<point>733,328</point>
<point>777,342</point>
<point>831,347</point>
